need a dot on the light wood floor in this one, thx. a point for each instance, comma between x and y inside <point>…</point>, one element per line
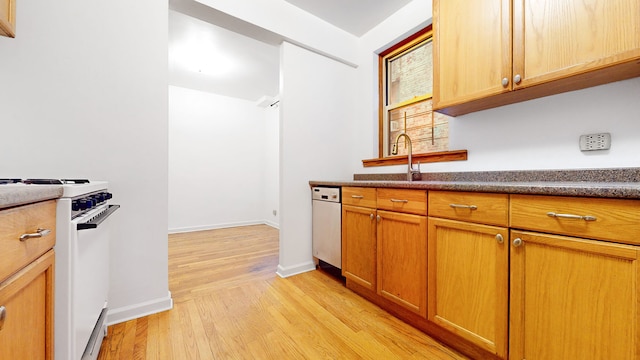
<point>230,304</point>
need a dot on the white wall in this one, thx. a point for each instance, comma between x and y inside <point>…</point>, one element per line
<point>271,178</point>
<point>221,161</point>
<point>544,133</point>
<point>282,20</point>
<point>537,134</point>
<point>83,93</point>
<point>315,137</point>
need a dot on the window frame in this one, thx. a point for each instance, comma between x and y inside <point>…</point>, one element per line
<point>394,51</point>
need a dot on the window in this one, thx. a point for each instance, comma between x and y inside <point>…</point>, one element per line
<point>406,87</point>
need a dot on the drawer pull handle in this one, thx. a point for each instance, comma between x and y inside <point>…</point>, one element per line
<point>460,206</point>
<point>37,234</point>
<point>357,196</point>
<point>3,315</point>
<point>399,201</point>
<point>571,216</point>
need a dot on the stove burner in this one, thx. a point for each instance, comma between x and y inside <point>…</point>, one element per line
<point>42,181</point>
<point>74,181</point>
<point>49,181</point>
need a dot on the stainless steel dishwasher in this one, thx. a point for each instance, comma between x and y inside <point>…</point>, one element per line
<point>327,225</point>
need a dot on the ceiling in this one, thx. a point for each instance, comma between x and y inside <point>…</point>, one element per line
<point>205,55</point>
<point>354,16</point>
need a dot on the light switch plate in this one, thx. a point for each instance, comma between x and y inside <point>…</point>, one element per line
<point>600,141</point>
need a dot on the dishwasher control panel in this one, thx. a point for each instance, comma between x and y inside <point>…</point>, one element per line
<point>326,193</point>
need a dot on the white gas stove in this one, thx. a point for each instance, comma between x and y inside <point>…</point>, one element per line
<point>82,266</point>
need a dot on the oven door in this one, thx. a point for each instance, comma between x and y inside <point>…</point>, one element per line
<point>90,278</point>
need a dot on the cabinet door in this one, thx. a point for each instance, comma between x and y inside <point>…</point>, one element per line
<point>468,281</point>
<point>472,50</point>
<point>27,298</point>
<point>557,39</point>
<point>7,18</point>
<point>573,298</point>
<point>402,260</point>
<point>359,245</point>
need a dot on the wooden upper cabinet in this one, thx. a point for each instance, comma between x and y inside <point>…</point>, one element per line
<point>7,18</point>
<point>472,50</point>
<point>485,57</point>
<point>558,39</point>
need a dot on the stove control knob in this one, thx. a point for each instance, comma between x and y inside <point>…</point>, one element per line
<point>83,204</point>
<point>75,205</point>
<point>108,195</point>
<point>91,202</point>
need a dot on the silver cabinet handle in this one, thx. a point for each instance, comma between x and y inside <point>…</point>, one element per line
<point>3,315</point>
<point>517,79</point>
<point>517,242</point>
<point>460,206</point>
<point>357,196</point>
<point>499,238</point>
<point>378,218</point>
<point>371,216</point>
<point>505,81</point>
<point>37,234</point>
<point>399,201</point>
<point>571,216</point>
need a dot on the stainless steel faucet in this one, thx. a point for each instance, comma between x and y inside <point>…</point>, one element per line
<point>412,174</point>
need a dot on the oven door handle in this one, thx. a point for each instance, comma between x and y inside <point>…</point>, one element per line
<point>98,219</point>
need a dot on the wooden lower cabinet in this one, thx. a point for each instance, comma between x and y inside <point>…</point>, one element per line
<point>468,279</point>
<point>27,281</point>
<point>359,245</point>
<point>509,290</point>
<point>572,298</point>
<point>26,299</point>
<point>402,257</point>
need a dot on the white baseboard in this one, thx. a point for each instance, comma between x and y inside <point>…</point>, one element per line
<point>222,226</point>
<point>130,312</point>
<point>284,272</point>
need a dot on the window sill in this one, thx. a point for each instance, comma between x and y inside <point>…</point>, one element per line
<point>455,155</point>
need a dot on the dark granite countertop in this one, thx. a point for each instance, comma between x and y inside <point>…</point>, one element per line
<point>20,194</point>
<point>607,183</point>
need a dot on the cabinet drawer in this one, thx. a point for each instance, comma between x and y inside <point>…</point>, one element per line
<point>492,209</point>
<point>606,219</point>
<point>403,200</point>
<point>25,219</point>
<point>359,196</point>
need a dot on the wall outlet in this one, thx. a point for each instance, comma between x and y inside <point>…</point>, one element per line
<point>600,141</point>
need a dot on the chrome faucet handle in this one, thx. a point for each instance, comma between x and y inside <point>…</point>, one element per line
<point>418,169</point>
<point>415,173</point>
